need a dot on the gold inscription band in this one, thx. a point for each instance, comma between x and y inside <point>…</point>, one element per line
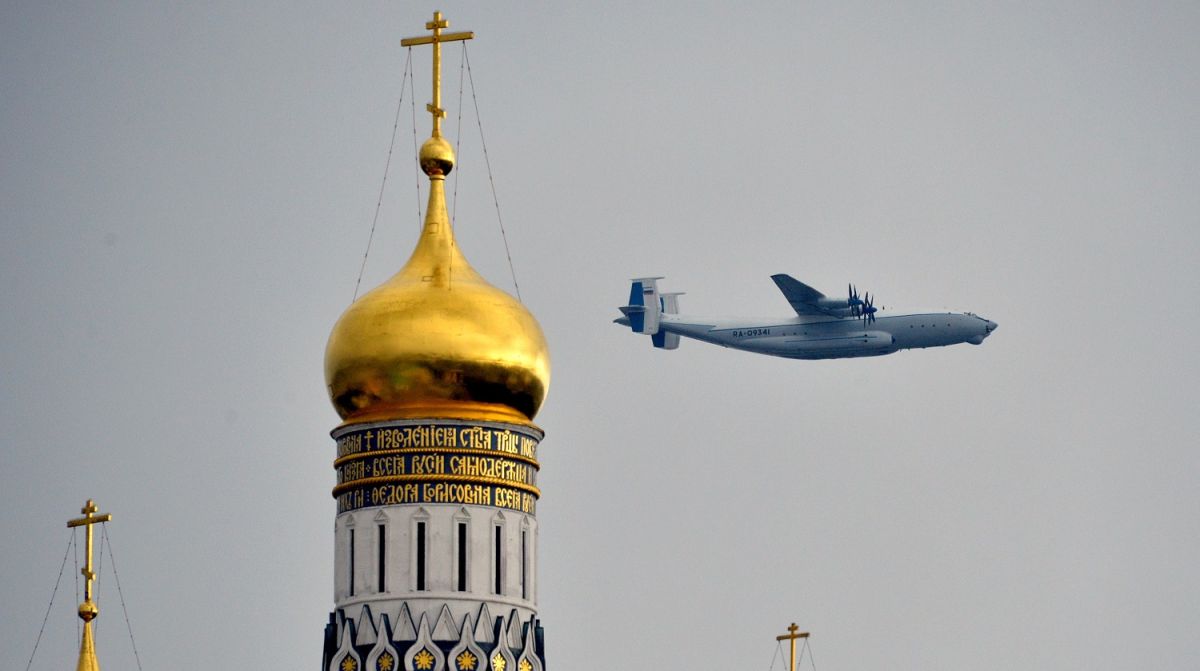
<point>441,450</point>
<point>437,464</point>
<point>392,494</point>
<point>428,436</point>
<point>436,461</point>
<point>423,462</point>
<point>435,478</point>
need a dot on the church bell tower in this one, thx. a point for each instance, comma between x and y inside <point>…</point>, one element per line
<point>437,376</point>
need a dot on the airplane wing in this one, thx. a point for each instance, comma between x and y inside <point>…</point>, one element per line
<point>805,300</point>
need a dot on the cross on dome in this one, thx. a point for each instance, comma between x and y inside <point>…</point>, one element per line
<point>88,610</point>
<point>90,518</point>
<point>793,634</point>
<point>436,25</point>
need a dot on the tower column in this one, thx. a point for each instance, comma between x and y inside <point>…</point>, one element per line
<point>437,376</point>
<point>436,534</point>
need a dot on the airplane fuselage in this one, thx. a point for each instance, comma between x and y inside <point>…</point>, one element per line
<point>819,337</point>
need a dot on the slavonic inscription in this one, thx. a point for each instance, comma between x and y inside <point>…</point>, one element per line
<point>377,466</point>
<point>390,494</point>
<point>436,463</point>
<point>436,435</point>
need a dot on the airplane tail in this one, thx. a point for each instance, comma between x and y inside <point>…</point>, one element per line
<point>644,312</point>
<point>670,306</point>
<point>644,308</point>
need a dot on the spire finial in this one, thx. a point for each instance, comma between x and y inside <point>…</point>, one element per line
<point>88,610</point>
<point>436,25</point>
<point>793,634</point>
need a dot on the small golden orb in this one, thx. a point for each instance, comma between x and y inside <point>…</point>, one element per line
<point>437,156</point>
<point>88,611</point>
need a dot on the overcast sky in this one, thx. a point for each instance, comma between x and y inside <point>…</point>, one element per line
<point>186,192</point>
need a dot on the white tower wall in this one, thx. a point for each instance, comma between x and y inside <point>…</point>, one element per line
<point>435,546</point>
<point>517,559</point>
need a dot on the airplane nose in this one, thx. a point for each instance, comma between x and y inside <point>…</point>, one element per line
<point>991,326</point>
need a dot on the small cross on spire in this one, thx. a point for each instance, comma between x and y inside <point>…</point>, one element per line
<point>90,517</point>
<point>793,634</point>
<point>436,25</point>
<point>88,610</point>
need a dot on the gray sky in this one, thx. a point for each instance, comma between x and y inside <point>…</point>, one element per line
<point>186,192</point>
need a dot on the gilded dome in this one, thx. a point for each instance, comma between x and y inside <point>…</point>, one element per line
<point>436,340</point>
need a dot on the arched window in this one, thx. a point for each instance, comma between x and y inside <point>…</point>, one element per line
<point>420,548</point>
<point>498,557</point>
<point>382,558</point>
<point>351,562</point>
<point>524,562</point>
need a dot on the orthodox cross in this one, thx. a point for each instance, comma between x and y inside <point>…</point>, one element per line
<point>793,634</point>
<point>90,517</point>
<point>436,25</point>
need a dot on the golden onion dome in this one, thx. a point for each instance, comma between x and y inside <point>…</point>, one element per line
<point>436,340</point>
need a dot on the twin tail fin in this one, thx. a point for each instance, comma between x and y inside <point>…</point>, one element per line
<point>646,307</point>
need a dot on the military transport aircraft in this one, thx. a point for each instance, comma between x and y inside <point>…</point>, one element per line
<point>823,327</point>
